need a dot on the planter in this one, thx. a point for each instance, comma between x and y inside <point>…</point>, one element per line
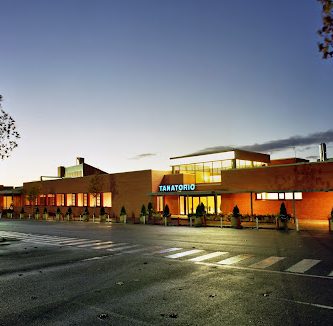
<point>236,222</point>
<point>45,216</point>
<point>123,218</point>
<point>281,224</point>
<point>9,215</point>
<point>21,215</point>
<point>36,216</point>
<point>197,221</point>
<point>143,219</point>
<point>85,218</point>
<point>102,218</point>
<point>58,216</point>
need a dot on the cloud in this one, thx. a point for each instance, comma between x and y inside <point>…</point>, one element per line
<point>280,144</point>
<point>141,156</point>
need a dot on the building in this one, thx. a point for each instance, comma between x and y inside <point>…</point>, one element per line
<point>219,180</point>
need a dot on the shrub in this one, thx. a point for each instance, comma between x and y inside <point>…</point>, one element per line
<point>150,209</point>
<point>37,210</point>
<point>166,211</point>
<point>85,211</point>
<point>143,210</point>
<point>102,211</point>
<point>58,211</point>
<point>69,211</point>
<point>123,210</point>
<point>235,211</point>
<point>45,210</point>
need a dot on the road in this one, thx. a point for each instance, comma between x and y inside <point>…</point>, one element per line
<point>54,273</point>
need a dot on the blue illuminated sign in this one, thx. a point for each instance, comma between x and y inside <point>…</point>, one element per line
<point>166,188</point>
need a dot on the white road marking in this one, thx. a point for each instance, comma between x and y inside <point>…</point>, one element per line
<point>267,262</point>
<point>305,303</point>
<point>111,245</point>
<point>122,248</point>
<point>185,253</point>
<point>76,243</point>
<point>134,251</point>
<point>92,243</point>
<point>234,259</point>
<point>209,256</point>
<point>164,251</point>
<point>303,265</point>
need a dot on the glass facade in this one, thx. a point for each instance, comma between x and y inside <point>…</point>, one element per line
<point>189,204</point>
<point>210,172</point>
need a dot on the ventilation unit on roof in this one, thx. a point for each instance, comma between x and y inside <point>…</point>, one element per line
<point>322,152</point>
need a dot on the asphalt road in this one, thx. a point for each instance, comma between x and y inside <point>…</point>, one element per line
<point>93,274</point>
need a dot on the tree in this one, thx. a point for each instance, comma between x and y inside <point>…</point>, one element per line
<point>32,195</point>
<point>95,187</point>
<point>326,32</point>
<point>8,133</point>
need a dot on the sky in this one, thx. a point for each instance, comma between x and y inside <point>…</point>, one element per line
<point>127,84</point>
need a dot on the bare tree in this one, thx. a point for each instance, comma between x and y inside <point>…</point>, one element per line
<point>8,133</point>
<point>95,187</point>
<point>326,32</point>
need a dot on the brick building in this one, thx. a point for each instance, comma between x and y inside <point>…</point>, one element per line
<point>219,180</point>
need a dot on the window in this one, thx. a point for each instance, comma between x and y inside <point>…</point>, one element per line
<point>94,200</point>
<point>70,199</point>
<point>279,196</point>
<point>42,200</point>
<point>85,200</point>
<point>80,200</point>
<point>159,204</point>
<point>107,199</point>
<point>60,199</point>
<point>51,200</point>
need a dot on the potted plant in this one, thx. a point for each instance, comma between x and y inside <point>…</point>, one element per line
<point>166,214</point>
<point>45,214</point>
<point>69,213</point>
<point>143,214</point>
<point>58,214</point>
<point>10,211</point>
<point>22,213</point>
<point>102,215</point>
<point>236,218</point>
<point>123,215</point>
<point>282,220</point>
<point>199,213</point>
<point>330,221</point>
<point>150,210</point>
<point>37,213</point>
<point>85,215</point>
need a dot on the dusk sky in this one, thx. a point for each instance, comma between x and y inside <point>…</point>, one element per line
<point>129,84</point>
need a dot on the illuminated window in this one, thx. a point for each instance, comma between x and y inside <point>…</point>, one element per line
<point>159,204</point>
<point>107,199</point>
<point>69,200</point>
<point>42,200</point>
<point>279,196</point>
<point>85,200</point>
<point>79,200</point>
<point>50,200</point>
<point>94,200</point>
<point>226,164</point>
<point>60,199</point>
<point>289,195</point>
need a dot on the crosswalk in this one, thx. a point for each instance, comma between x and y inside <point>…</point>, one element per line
<point>249,261</point>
